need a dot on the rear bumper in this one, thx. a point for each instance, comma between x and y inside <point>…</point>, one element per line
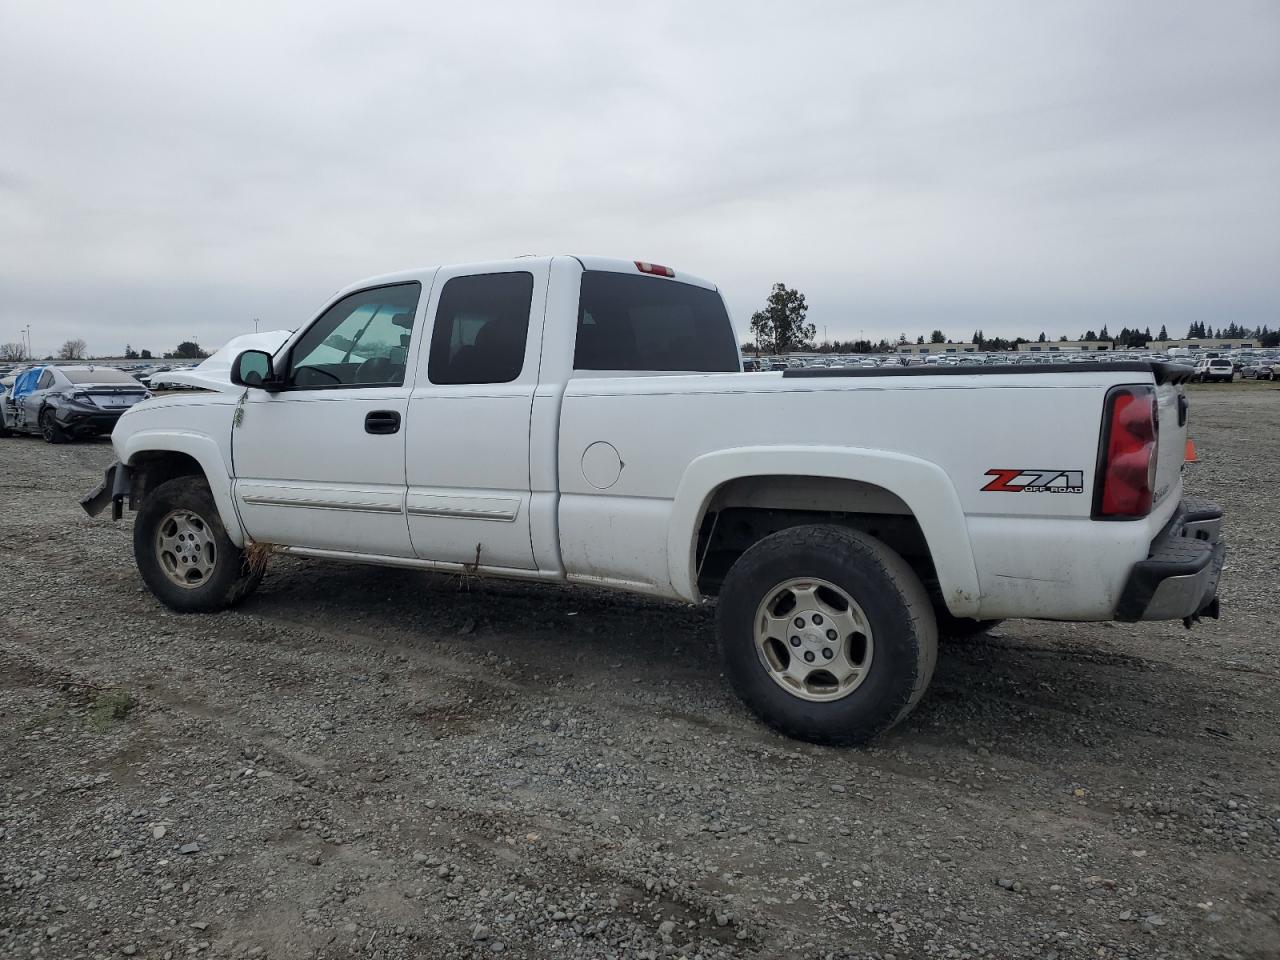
<point>1179,578</point>
<point>84,421</point>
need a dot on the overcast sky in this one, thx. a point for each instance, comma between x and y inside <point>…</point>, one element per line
<point>173,170</point>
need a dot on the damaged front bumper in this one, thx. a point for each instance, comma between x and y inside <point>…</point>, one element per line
<point>117,484</point>
<point>1179,578</point>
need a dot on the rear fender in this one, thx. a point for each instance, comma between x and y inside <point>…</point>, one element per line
<point>923,486</point>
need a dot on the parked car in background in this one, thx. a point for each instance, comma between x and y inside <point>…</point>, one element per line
<point>1213,370</point>
<point>61,403</point>
<point>1256,370</point>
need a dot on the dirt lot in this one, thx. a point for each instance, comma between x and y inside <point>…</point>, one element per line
<point>372,763</point>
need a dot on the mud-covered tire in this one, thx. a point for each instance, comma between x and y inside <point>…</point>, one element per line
<point>49,429</point>
<point>961,628</point>
<point>902,640</point>
<point>233,574</point>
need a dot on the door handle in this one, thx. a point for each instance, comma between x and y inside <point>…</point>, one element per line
<point>382,421</point>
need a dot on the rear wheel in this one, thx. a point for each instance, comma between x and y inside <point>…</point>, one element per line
<point>49,428</point>
<point>826,634</point>
<point>184,554</point>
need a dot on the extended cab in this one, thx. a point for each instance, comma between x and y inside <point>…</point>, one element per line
<point>586,420</point>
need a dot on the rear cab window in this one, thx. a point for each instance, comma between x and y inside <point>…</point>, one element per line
<point>631,322</point>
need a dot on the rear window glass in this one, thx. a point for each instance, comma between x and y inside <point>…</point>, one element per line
<point>646,323</point>
<point>101,375</point>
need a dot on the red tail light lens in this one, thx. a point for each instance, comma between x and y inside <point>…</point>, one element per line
<point>1126,472</point>
<point>657,269</point>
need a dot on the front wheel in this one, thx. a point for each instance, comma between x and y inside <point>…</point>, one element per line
<point>827,634</point>
<point>184,554</point>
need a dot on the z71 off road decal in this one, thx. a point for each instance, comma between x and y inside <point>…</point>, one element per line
<point>1035,481</point>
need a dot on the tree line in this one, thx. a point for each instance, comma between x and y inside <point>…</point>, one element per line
<point>77,349</point>
<point>783,326</point>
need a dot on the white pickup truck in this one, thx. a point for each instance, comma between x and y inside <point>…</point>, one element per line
<point>586,420</point>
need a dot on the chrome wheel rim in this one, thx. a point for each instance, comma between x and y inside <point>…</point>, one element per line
<point>186,549</point>
<point>813,639</point>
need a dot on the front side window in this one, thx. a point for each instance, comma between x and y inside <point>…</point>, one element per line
<point>628,322</point>
<point>360,341</point>
<point>482,324</point>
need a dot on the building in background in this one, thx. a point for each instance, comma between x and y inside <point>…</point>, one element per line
<point>1206,343</point>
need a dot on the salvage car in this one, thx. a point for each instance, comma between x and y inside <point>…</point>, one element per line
<point>63,403</point>
<point>583,420</point>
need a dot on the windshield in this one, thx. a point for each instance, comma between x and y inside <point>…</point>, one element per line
<point>100,375</point>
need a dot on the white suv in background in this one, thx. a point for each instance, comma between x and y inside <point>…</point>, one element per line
<point>1214,368</point>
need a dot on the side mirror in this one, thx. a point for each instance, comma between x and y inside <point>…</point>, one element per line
<point>252,368</point>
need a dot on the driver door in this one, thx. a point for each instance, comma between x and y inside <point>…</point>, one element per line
<point>320,463</point>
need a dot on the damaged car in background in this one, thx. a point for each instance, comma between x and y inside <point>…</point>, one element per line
<point>63,403</point>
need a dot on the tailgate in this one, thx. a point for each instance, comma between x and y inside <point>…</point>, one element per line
<point>1171,402</point>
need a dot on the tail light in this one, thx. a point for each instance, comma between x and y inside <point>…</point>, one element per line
<point>1127,466</point>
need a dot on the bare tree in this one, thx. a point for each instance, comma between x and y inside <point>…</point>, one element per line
<point>13,351</point>
<point>73,350</point>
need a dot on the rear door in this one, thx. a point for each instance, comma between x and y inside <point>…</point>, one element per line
<point>33,401</point>
<point>467,452</point>
<point>320,463</point>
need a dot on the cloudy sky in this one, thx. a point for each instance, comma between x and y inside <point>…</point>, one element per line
<point>173,170</point>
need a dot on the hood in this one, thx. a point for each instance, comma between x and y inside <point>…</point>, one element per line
<point>214,372</point>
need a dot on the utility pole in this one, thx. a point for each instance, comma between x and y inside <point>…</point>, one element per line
<point>255,324</point>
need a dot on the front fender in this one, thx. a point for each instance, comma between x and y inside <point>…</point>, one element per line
<point>923,486</point>
<point>201,448</point>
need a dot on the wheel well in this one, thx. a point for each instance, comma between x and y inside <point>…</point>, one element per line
<point>153,468</point>
<point>742,512</point>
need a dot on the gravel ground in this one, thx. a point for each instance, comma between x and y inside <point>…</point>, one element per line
<point>375,763</point>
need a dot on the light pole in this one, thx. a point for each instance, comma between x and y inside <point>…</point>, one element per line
<point>30,353</point>
<point>255,324</point>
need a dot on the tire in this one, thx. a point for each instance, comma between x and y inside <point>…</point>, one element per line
<point>176,528</point>
<point>896,649</point>
<point>49,428</point>
<point>961,628</point>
